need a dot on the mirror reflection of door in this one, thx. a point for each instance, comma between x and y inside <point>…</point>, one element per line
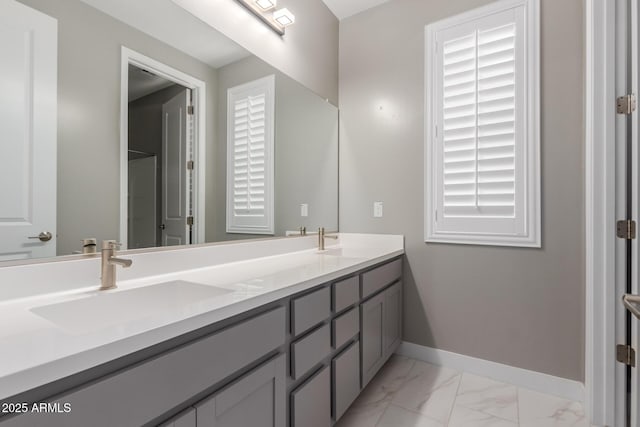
<point>159,183</point>
<point>28,127</point>
<point>176,191</point>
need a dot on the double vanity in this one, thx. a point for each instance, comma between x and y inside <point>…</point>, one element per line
<point>257,333</point>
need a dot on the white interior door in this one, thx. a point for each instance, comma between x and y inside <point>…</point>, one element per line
<point>175,176</point>
<point>28,126</point>
<point>142,203</point>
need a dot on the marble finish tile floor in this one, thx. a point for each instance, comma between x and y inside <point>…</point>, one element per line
<point>412,393</point>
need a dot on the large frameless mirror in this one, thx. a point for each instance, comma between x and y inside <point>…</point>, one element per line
<point>136,121</point>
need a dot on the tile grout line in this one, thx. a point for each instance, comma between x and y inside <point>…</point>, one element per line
<point>400,387</point>
<point>382,414</point>
<point>459,374</point>
<point>518,405</point>
<point>455,398</point>
<point>402,384</point>
<point>482,411</point>
<point>406,377</point>
<point>413,411</point>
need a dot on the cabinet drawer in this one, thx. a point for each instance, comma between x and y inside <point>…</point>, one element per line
<point>256,399</point>
<point>308,351</point>
<point>309,310</point>
<point>346,379</point>
<point>311,402</point>
<point>378,278</point>
<point>345,327</point>
<point>345,293</point>
<point>137,395</point>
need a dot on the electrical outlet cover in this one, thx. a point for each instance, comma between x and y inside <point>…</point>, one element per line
<point>377,209</point>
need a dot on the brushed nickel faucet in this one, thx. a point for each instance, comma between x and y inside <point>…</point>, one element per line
<point>109,262</point>
<point>322,236</point>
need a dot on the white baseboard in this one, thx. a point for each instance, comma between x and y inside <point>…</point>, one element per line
<point>544,383</point>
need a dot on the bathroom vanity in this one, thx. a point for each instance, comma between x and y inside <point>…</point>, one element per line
<point>288,338</point>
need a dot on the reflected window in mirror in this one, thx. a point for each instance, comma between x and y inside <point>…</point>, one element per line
<point>250,162</point>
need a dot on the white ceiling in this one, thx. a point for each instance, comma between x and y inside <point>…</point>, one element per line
<point>184,32</point>
<point>345,8</point>
<point>193,36</point>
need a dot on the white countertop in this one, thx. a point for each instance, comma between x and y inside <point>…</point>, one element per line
<point>36,351</point>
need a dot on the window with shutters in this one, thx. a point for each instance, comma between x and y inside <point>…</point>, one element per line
<point>250,157</point>
<point>482,179</point>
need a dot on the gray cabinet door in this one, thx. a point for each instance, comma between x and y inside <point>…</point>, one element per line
<point>311,402</point>
<point>392,318</point>
<point>372,332</point>
<point>346,379</point>
<point>257,399</point>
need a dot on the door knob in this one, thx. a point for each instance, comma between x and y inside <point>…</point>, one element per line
<point>630,302</point>
<point>45,236</point>
<point>162,227</point>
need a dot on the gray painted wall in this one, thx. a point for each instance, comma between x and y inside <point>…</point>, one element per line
<point>306,152</point>
<point>520,307</point>
<point>89,45</point>
<point>308,52</point>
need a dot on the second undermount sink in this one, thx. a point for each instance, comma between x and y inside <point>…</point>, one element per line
<point>105,309</point>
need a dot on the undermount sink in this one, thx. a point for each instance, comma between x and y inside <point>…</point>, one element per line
<point>341,252</point>
<point>105,309</point>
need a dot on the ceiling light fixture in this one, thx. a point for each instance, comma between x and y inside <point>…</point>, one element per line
<point>277,20</point>
<point>266,4</point>
<point>284,17</point>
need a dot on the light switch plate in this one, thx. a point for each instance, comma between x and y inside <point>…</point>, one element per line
<point>377,209</point>
<point>304,209</point>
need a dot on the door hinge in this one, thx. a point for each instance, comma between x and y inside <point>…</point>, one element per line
<point>190,110</point>
<point>190,220</point>
<point>190,165</point>
<point>626,229</point>
<point>626,354</point>
<point>626,104</point>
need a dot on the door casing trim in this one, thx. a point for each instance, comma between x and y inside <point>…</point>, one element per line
<point>198,88</point>
<point>601,379</point>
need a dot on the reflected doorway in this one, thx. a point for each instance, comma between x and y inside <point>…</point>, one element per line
<point>161,140</point>
<point>159,190</point>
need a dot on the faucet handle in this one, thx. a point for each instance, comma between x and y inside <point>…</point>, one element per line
<point>111,244</point>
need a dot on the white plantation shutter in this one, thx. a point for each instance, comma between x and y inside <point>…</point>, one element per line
<point>478,103</point>
<point>481,151</point>
<point>249,155</point>
<point>250,128</point>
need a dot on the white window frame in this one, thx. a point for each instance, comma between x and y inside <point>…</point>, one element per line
<point>528,230</point>
<point>263,224</point>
